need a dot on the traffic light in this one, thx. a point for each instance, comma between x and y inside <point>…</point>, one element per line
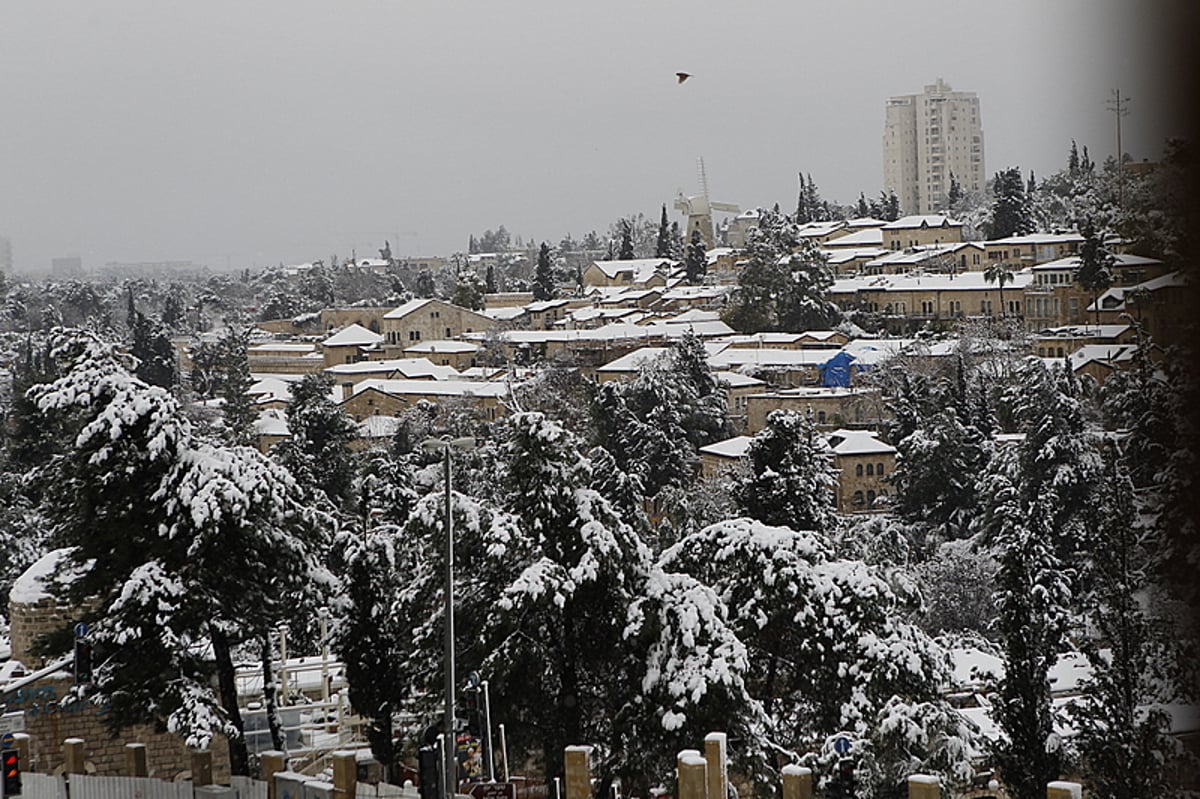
<point>83,661</point>
<point>427,772</point>
<point>12,772</point>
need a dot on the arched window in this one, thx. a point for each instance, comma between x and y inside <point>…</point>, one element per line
<point>858,470</point>
<point>870,470</point>
<point>870,497</point>
<point>858,497</point>
<point>879,469</point>
<point>820,417</point>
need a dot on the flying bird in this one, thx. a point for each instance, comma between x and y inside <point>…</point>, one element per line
<point>683,76</point>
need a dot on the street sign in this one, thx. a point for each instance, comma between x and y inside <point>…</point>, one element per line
<point>7,741</point>
<point>81,629</point>
<point>841,745</point>
<point>494,790</point>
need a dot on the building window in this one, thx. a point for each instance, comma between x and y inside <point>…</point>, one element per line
<point>858,498</point>
<point>879,469</point>
<point>870,497</point>
<point>858,470</point>
<point>820,417</point>
<point>870,470</point>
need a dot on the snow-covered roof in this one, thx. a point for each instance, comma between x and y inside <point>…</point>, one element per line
<point>1103,353</point>
<point>30,587</point>
<point>411,368</point>
<point>641,268</point>
<point>444,346</point>
<point>737,380</point>
<point>921,221</point>
<point>693,315</point>
<point>1074,261</point>
<point>271,387</point>
<point>735,447</point>
<point>407,308</point>
<point>271,422</point>
<point>631,362</point>
<point>295,347</point>
<point>813,230</point>
<point>865,222</point>
<point>857,442</point>
<point>353,336</point>
<point>504,314</point>
<point>1114,299</point>
<point>1083,331</point>
<point>865,237</point>
<point>765,338</point>
<point>738,357</point>
<point>963,281</point>
<point>1036,238</point>
<point>441,388</point>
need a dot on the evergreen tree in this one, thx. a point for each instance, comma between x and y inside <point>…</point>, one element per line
<point>1032,598</point>
<point>889,205</point>
<point>676,242</point>
<point>1124,745</point>
<point>317,452</point>
<point>489,280</point>
<point>783,282</point>
<point>662,247</point>
<point>955,195</point>
<point>184,550</point>
<point>791,479</point>
<point>696,264</point>
<point>1010,208</point>
<point>862,209</point>
<point>1073,160</point>
<point>937,470</point>
<point>544,285</point>
<point>1095,264</point>
<point>626,252</point>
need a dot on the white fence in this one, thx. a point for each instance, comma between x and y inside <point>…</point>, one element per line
<point>83,786</point>
<point>363,791</point>
<point>42,786</point>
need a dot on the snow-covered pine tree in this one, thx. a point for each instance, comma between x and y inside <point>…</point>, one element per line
<point>626,251</point>
<point>176,547</point>
<point>317,453</point>
<point>937,470</point>
<point>790,481</point>
<point>1010,206</point>
<point>826,643</point>
<point>696,261</point>
<point>545,287</point>
<point>1122,739</point>
<point>662,246</point>
<point>1032,598</point>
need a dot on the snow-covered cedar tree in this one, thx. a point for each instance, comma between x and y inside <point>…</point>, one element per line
<point>653,424</point>
<point>156,356</point>
<point>1122,732</point>
<point>825,638</point>
<point>545,584</point>
<point>790,480</point>
<point>1057,463</point>
<point>1010,206</point>
<point>696,260</point>
<point>1032,597</point>
<point>318,451</point>
<point>221,369</point>
<point>956,588</point>
<point>179,549</point>
<point>1139,401</point>
<point>545,287</point>
<point>370,637</point>
<point>937,469</point>
<point>783,281</point>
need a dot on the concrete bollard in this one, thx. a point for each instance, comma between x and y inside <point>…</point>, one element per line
<point>271,763</point>
<point>693,775</point>
<point>1061,789</point>
<point>797,782</point>
<point>715,754</point>
<point>578,766</point>
<point>924,786</point>
<point>136,764</point>
<point>73,756</point>
<point>345,775</point>
<point>201,767</point>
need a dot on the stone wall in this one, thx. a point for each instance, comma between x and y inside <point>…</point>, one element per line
<point>28,622</point>
<point>48,721</point>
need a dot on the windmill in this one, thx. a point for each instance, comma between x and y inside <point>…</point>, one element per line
<point>699,208</point>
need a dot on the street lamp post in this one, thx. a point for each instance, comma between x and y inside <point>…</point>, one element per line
<point>445,445</point>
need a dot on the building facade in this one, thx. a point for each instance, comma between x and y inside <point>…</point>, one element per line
<point>927,138</point>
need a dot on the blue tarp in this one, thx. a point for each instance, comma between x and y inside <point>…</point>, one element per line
<point>836,371</point>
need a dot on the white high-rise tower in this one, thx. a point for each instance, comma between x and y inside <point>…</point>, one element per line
<point>927,138</point>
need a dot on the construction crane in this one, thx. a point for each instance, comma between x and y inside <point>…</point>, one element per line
<point>699,209</point>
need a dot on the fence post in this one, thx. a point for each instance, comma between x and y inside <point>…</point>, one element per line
<point>201,767</point>
<point>693,774</point>
<point>576,763</point>
<point>797,782</point>
<point>271,763</point>
<point>715,745</point>
<point>924,786</point>
<point>22,741</point>
<point>136,764</point>
<point>73,756</point>
<point>1064,790</point>
<point>345,775</point>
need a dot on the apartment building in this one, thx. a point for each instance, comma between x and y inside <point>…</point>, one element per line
<point>927,138</point>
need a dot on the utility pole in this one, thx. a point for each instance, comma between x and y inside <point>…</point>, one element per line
<point>1120,107</point>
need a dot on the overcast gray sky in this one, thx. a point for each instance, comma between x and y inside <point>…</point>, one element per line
<point>250,133</point>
